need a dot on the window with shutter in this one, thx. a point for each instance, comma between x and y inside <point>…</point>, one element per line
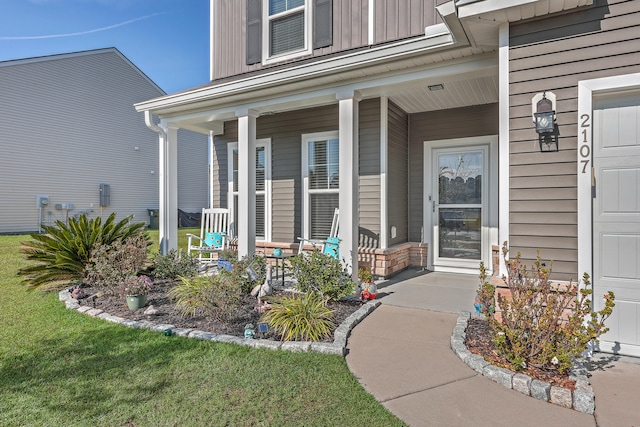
<point>288,28</point>
<point>321,182</point>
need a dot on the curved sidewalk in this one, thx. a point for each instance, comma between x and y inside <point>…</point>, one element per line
<point>401,354</point>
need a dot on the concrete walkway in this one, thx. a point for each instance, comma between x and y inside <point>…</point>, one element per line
<point>401,355</point>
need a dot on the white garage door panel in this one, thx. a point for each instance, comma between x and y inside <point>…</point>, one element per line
<point>616,220</point>
<point>620,255</point>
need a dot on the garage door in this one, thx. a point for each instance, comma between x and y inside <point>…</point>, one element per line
<point>616,217</point>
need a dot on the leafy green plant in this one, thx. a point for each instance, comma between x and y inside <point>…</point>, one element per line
<point>216,296</point>
<point>485,294</point>
<point>364,274</point>
<point>248,271</point>
<point>542,324</point>
<point>304,317</point>
<point>110,265</point>
<point>322,274</point>
<point>62,252</point>
<point>173,265</point>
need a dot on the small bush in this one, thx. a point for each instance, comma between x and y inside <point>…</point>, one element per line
<point>485,295</point>
<point>137,285</point>
<point>543,326</point>
<point>62,252</point>
<point>173,265</point>
<point>217,296</point>
<point>111,264</point>
<point>321,274</point>
<point>241,275</point>
<point>300,318</point>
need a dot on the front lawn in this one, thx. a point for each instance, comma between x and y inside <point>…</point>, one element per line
<point>59,367</point>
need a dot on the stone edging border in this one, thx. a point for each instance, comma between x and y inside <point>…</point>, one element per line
<point>338,346</point>
<point>582,399</point>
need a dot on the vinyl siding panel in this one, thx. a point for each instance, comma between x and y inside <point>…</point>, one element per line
<point>394,20</point>
<point>369,158</point>
<point>285,131</point>
<point>68,125</point>
<point>553,55</point>
<point>464,122</point>
<point>398,181</point>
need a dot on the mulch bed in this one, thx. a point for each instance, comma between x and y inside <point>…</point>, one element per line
<point>168,314</point>
<point>479,342</point>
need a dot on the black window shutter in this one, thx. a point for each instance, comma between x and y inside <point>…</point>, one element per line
<point>322,23</point>
<point>254,31</point>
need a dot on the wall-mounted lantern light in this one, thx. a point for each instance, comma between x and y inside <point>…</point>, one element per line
<point>544,115</point>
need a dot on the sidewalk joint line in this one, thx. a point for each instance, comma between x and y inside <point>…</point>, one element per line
<point>428,388</point>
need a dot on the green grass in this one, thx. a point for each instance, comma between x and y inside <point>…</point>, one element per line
<point>60,367</point>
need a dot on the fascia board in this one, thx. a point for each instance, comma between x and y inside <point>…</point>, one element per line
<point>330,66</point>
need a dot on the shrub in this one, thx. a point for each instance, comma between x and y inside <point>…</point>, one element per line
<point>217,296</point>
<point>110,265</point>
<point>321,274</point>
<point>240,271</point>
<point>485,295</point>
<point>300,318</point>
<point>63,251</point>
<point>173,265</point>
<point>137,285</point>
<point>543,325</point>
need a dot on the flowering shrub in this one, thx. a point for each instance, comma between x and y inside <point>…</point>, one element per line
<point>544,325</point>
<point>111,264</point>
<point>137,285</point>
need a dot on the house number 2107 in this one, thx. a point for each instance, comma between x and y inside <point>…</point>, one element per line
<point>585,149</point>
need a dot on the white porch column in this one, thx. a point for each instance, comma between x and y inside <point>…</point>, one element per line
<point>168,189</point>
<point>348,169</point>
<point>246,182</point>
<point>503,142</point>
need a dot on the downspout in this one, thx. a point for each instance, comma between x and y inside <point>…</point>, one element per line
<point>162,208</point>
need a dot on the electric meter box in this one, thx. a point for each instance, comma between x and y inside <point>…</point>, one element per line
<point>105,195</point>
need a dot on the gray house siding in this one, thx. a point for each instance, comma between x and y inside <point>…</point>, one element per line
<point>285,131</point>
<point>436,125</point>
<point>398,182</point>
<point>394,20</point>
<point>68,125</point>
<point>554,55</point>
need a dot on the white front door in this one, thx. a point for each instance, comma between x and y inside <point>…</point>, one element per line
<point>459,206</point>
<point>616,217</point>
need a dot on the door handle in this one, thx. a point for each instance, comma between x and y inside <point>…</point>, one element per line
<point>433,206</point>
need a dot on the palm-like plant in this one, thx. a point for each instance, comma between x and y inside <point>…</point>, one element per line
<point>63,251</point>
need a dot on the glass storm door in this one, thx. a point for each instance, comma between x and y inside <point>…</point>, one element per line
<point>459,206</point>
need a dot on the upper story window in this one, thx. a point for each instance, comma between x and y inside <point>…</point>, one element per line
<point>287,29</point>
<point>279,30</point>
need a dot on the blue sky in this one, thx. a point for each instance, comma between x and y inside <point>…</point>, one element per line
<point>167,39</point>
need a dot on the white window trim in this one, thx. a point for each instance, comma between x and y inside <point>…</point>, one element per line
<point>266,143</point>
<point>308,33</point>
<point>306,138</point>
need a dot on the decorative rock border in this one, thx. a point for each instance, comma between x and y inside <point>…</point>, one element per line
<point>338,346</point>
<point>582,399</point>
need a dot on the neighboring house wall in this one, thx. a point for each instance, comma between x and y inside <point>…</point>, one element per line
<point>464,122</point>
<point>553,55</point>
<point>68,125</point>
<point>285,131</point>
<point>394,20</point>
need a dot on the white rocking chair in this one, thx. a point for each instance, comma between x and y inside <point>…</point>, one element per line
<point>214,228</point>
<point>331,245</point>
